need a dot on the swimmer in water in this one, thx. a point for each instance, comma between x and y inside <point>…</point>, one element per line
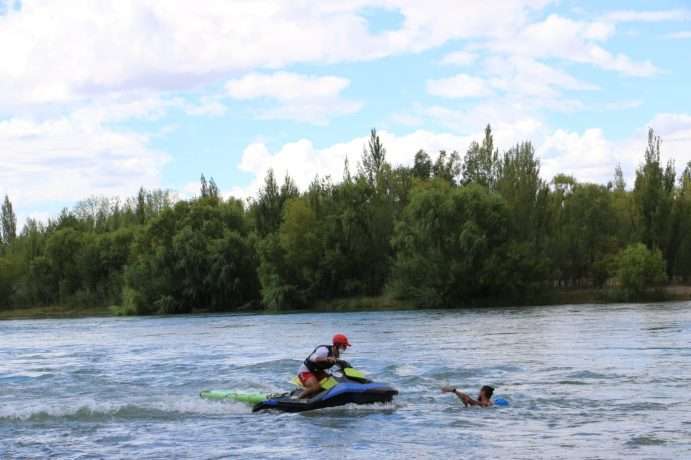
<point>483,399</point>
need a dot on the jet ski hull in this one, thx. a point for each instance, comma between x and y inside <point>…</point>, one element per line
<point>346,392</point>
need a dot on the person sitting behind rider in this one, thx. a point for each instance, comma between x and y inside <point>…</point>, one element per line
<point>313,369</point>
<point>483,399</point>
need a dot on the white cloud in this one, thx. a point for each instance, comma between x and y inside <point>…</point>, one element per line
<point>53,54</point>
<point>72,157</point>
<point>588,156</point>
<point>459,86</point>
<point>407,119</point>
<point>648,16</point>
<point>577,41</point>
<point>308,98</point>
<point>510,115</point>
<point>189,190</point>
<point>42,217</point>
<point>285,86</point>
<point>682,35</point>
<point>528,75</point>
<point>208,106</point>
<point>621,63</point>
<point>623,105</point>
<point>459,58</point>
<point>516,81</point>
<point>677,125</point>
<point>116,108</point>
<point>675,131</point>
<point>303,161</point>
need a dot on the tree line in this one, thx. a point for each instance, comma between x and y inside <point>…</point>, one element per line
<point>446,231</point>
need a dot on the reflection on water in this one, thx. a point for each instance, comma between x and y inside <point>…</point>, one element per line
<point>604,381</point>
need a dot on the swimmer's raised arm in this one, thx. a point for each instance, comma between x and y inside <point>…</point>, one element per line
<point>483,399</point>
<point>462,396</point>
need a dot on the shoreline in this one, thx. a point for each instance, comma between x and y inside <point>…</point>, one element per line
<point>566,296</point>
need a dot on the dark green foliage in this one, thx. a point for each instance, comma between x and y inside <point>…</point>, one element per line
<point>276,277</point>
<point>640,269</point>
<point>208,189</point>
<point>653,195</point>
<point>447,167</point>
<point>519,182</point>
<point>373,159</point>
<point>194,255</point>
<point>451,245</point>
<point>268,208</point>
<point>680,247</point>
<point>584,236</point>
<point>9,275</point>
<point>422,167</point>
<point>333,242</point>
<point>481,162</point>
<point>440,232</point>
<point>8,223</point>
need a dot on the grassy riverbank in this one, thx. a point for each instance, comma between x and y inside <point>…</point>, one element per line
<point>559,297</point>
<point>54,312</point>
<point>582,296</point>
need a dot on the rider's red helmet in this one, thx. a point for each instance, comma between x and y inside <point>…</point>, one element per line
<point>340,339</point>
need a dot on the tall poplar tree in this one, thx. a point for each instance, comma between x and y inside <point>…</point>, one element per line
<point>9,222</point>
<point>654,195</point>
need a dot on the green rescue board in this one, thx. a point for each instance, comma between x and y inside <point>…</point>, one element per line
<point>229,395</point>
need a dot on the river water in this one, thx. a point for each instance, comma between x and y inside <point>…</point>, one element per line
<point>587,381</point>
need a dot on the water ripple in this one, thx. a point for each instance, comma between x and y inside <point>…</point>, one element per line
<point>583,381</point>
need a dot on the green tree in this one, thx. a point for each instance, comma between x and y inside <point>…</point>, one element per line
<point>10,271</point>
<point>290,264</point>
<point>268,208</point>
<point>639,269</point>
<point>299,238</point>
<point>624,210</point>
<point>194,255</point>
<point>681,216</point>
<point>8,221</point>
<point>586,233</point>
<point>141,206</point>
<point>481,162</point>
<point>208,189</point>
<point>519,182</point>
<point>527,197</point>
<point>447,167</point>
<point>63,248</point>
<point>653,196</point>
<point>619,184</point>
<point>203,186</point>
<point>373,158</point>
<point>422,166</point>
<point>451,245</point>
<point>231,278</point>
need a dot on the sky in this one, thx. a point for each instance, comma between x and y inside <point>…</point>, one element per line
<point>99,98</point>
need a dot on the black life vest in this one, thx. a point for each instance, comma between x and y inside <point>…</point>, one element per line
<point>321,366</point>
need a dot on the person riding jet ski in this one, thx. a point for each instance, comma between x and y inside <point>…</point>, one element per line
<point>313,369</point>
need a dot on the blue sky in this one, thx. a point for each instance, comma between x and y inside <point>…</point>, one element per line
<point>100,98</point>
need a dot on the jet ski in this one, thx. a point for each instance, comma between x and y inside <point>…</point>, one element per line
<point>351,387</point>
